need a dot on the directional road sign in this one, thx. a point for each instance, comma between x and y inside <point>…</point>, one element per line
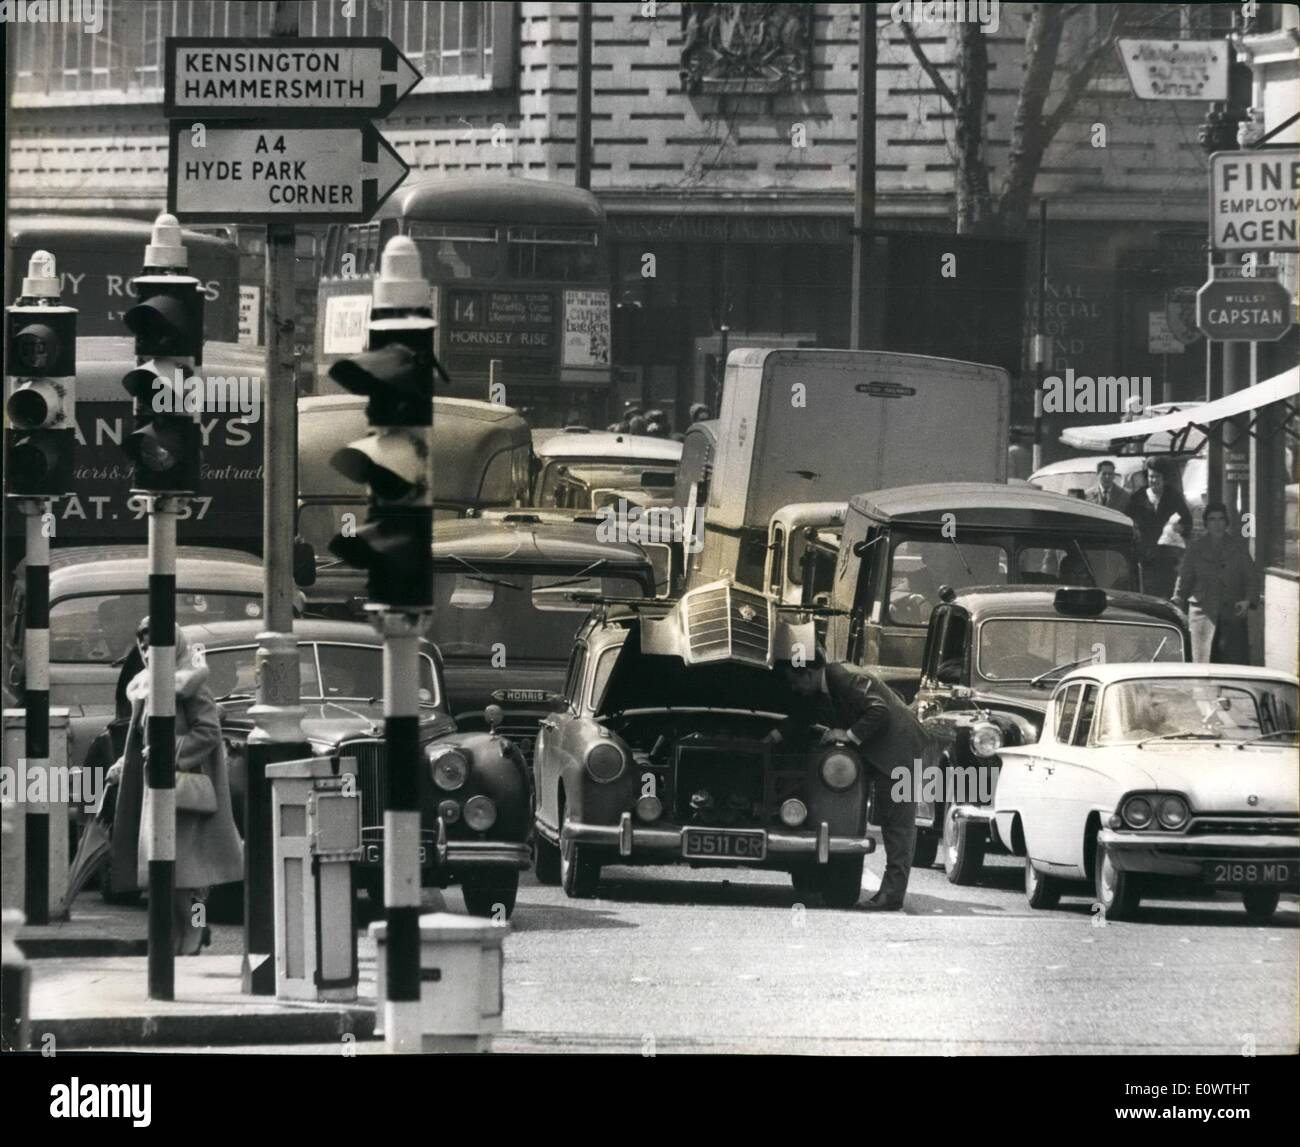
<point>248,173</point>
<point>1249,309</point>
<point>330,79</point>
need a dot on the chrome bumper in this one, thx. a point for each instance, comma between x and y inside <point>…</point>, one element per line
<point>665,841</point>
<point>1169,854</point>
<point>487,853</point>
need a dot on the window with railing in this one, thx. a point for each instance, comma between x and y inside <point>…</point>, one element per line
<point>466,45</point>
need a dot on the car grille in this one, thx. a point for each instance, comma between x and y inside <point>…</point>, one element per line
<point>370,757</point>
<point>522,733</point>
<point>1248,824</point>
<point>727,622</point>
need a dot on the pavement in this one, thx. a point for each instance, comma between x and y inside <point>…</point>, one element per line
<point>669,960</point>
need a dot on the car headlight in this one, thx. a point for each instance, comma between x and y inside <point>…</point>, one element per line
<point>839,771</point>
<point>450,768</point>
<point>480,813</point>
<point>985,738</point>
<point>1172,812</point>
<point>1137,812</point>
<point>605,763</point>
<point>793,812</point>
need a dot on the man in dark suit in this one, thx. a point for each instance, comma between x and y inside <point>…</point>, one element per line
<point>859,709</point>
<point>1107,492</point>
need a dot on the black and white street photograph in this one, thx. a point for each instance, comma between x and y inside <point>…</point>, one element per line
<point>609,531</point>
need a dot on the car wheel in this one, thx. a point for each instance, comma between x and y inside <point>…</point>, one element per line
<point>491,894</point>
<point>925,849</point>
<point>1260,903</point>
<point>547,860</point>
<point>1117,891</point>
<point>1041,890</point>
<point>579,872</point>
<point>806,886</point>
<point>841,883</point>
<point>963,849</point>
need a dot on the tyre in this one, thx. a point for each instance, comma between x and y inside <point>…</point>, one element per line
<point>579,872</point>
<point>547,860</point>
<point>1260,903</point>
<point>1117,892</point>
<point>963,849</point>
<point>926,848</point>
<point>1041,890</point>
<point>491,893</point>
<point>841,883</point>
<point>806,886</point>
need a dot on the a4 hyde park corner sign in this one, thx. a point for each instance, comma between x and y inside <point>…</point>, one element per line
<point>278,130</point>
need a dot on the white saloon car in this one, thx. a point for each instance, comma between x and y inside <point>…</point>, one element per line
<point>1162,769</point>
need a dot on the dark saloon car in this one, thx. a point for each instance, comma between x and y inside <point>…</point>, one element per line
<point>475,800</point>
<point>993,655</point>
<point>505,614</point>
<point>659,752</point>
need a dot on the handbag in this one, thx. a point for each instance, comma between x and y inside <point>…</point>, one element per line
<point>195,793</point>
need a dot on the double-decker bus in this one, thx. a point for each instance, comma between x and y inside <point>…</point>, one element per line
<point>520,280</point>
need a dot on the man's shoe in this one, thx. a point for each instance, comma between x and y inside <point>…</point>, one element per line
<point>876,904</point>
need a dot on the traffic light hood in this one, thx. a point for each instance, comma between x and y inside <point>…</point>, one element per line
<point>395,465</point>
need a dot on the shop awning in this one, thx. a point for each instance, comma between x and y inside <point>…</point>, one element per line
<point>1284,387</point>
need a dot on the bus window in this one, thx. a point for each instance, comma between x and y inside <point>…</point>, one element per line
<point>560,254</point>
<point>457,250</point>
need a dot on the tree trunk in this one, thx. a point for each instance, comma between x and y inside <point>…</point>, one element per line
<point>974,205</point>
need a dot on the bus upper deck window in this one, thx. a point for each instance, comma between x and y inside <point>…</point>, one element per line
<point>451,251</point>
<point>561,254</point>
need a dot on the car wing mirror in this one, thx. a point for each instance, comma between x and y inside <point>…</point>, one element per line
<point>493,715</point>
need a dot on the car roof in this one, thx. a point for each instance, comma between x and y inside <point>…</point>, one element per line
<point>982,601</point>
<point>25,229</point>
<point>107,569</point>
<point>604,444</point>
<point>518,539</point>
<point>981,503</point>
<point>221,634</point>
<point>1142,671</point>
<point>1122,462</point>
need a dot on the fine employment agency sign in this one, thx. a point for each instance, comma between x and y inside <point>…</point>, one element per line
<point>1254,200</point>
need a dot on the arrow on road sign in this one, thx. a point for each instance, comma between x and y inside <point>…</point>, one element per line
<point>299,80</point>
<point>253,174</point>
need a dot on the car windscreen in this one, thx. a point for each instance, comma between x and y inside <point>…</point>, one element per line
<point>1189,709</point>
<point>919,567</point>
<point>654,477</point>
<point>1020,649</point>
<point>101,627</point>
<point>327,672</point>
<point>496,615</point>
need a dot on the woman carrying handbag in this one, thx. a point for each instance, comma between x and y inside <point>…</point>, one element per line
<point>208,848</point>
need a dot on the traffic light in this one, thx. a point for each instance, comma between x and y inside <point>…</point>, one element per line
<point>395,546</point>
<point>41,362</point>
<point>165,445</point>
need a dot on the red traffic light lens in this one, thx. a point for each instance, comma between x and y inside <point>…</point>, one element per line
<point>36,347</point>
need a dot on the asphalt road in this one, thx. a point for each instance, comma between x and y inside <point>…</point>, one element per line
<point>675,959</point>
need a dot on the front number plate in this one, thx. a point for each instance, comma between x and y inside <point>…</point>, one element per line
<point>1257,872</point>
<point>723,844</point>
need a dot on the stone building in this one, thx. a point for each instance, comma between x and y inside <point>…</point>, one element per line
<point>739,190</point>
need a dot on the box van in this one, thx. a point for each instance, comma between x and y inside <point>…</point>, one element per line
<point>813,425</point>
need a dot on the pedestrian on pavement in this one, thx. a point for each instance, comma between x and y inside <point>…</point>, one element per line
<point>1217,585</point>
<point>859,709</point>
<point>1107,492</point>
<point>1163,523</point>
<point>208,847</point>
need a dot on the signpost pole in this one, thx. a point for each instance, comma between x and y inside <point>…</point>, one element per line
<point>278,734</point>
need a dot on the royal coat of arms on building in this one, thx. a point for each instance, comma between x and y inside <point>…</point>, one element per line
<point>746,48</point>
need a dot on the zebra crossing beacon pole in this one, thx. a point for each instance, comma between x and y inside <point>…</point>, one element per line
<point>41,360</point>
<point>395,548</point>
<point>164,448</point>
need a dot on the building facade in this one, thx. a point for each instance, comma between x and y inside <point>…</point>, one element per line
<point>729,201</point>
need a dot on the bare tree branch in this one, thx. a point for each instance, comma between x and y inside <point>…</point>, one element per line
<point>940,84</point>
<point>1079,79</point>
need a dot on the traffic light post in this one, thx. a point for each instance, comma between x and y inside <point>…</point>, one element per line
<point>164,447</point>
<point>394,547</point>
<point>41,362</point>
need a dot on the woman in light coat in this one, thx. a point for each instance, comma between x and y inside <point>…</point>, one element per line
<point>208,847</point>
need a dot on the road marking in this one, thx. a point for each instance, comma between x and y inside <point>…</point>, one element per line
<point>1054,967</point>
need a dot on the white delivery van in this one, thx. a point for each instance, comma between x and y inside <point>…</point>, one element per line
<point>807,424</point>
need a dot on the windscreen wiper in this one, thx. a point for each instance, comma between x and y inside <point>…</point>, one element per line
<point>476,574</point>
<point>1062,668</point>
